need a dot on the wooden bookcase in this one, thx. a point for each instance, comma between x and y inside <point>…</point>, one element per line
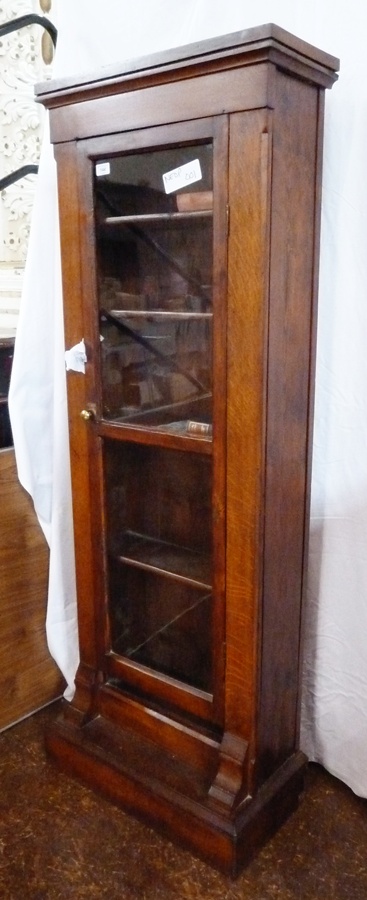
<point>189,190</point>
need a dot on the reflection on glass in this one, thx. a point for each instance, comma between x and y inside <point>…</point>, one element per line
<point>155,272</point>
<point>159,559</point>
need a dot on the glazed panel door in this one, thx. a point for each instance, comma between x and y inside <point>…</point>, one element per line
<point>154,238</point>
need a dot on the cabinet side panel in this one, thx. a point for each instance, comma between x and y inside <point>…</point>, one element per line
<point>247,322</point>
<point>291,314</point>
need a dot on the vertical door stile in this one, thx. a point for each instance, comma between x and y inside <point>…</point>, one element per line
<point>220,264</point>
<point>91,336</point>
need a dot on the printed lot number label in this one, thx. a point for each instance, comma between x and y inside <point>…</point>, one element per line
<point>183,176</point>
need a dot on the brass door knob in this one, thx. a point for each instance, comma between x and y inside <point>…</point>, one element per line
<point>87,415</point>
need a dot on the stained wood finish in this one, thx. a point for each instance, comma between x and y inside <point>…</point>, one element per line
<point>29,678</point>
<point>292,313</point>
<point>201,741</point>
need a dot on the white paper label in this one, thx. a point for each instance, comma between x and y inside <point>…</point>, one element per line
<point>181,177</point>
<point>103,168</point>
<point>76,357</point>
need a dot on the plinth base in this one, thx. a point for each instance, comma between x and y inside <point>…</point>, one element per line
<point>173,796</point>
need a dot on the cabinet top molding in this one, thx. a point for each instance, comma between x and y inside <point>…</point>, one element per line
<point>266,43</point>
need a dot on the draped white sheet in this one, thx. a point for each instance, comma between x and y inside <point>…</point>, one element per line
<point>91,33</point>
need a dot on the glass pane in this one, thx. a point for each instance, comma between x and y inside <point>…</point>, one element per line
<point>154,254</point>
<point>159,559</point>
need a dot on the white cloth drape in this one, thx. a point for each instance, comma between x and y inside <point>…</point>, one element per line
<point>91,33</point>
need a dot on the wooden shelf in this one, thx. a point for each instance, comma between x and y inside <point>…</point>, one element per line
<point>148,218</point>
<point>168,560</point>
<point>154,437</point>
<point>159,314</point>
<point>149,426</point>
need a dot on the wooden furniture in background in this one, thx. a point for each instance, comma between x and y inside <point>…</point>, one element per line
<point>191,429</point>
<point>28,676</point>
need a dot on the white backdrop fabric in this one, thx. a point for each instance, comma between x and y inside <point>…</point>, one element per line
<point>91,34</point>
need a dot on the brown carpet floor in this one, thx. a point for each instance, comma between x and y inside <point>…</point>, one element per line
<point>58,840</point>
